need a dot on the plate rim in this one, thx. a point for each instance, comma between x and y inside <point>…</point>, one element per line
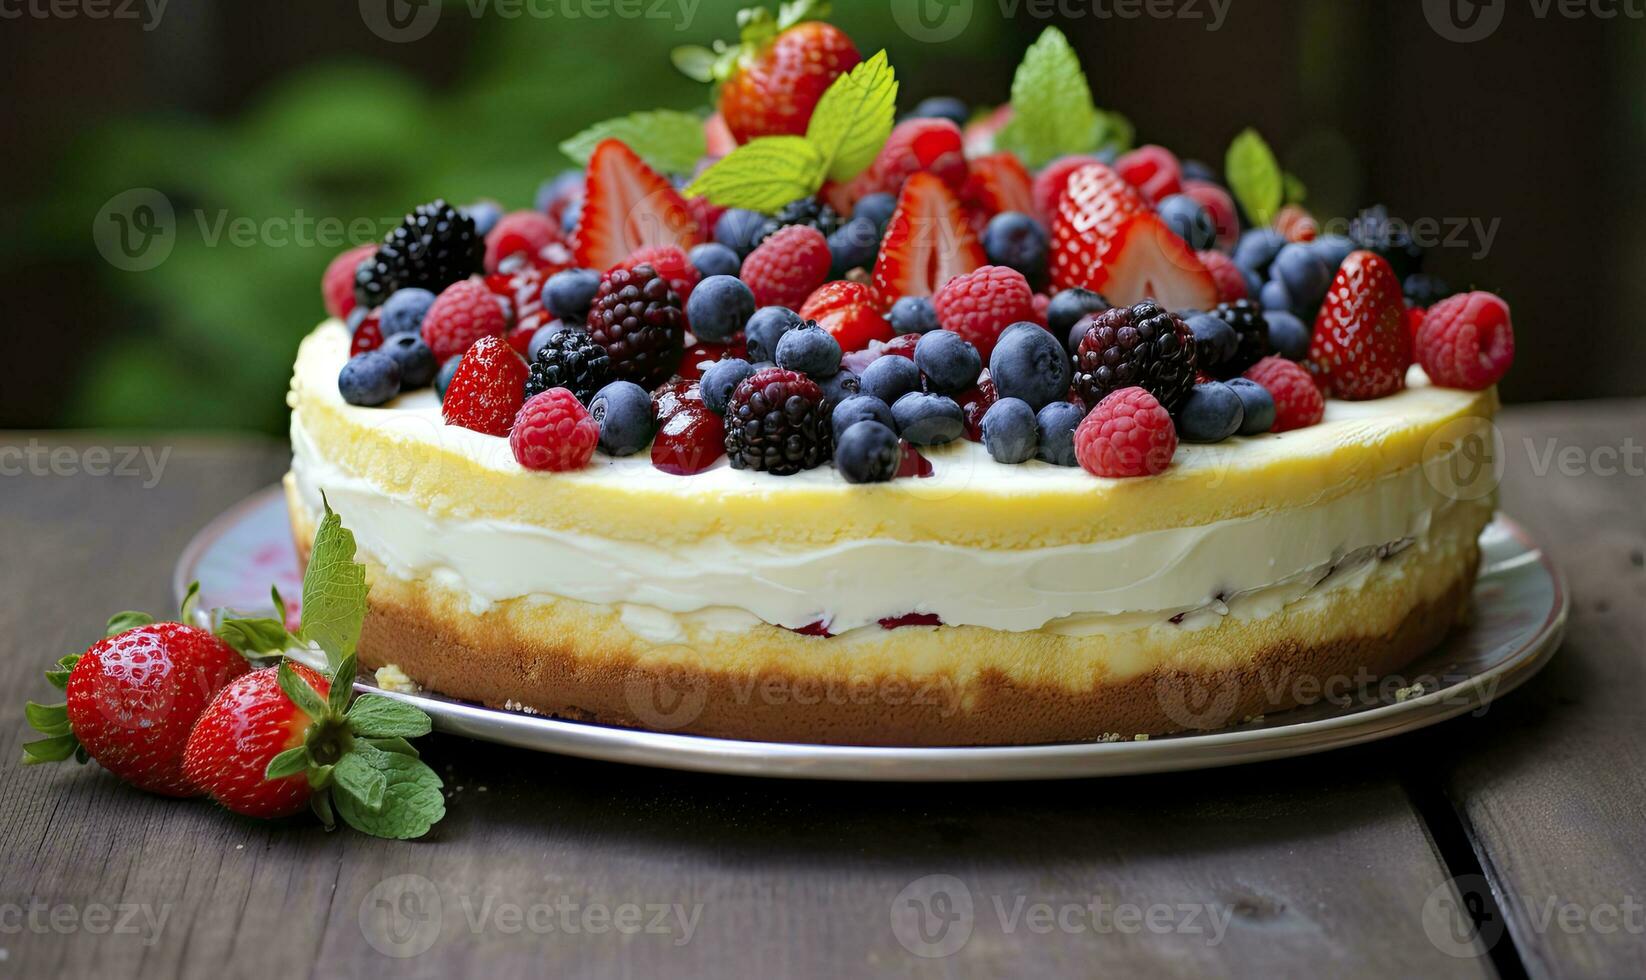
<point>991,763</point>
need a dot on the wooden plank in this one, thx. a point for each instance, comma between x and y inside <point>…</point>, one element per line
<point>1551,782</point>
<point>1286,868</point>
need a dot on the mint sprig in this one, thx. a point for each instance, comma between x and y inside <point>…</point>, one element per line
<point>334,590</point>
<point>668,140</point>
<point>1255,177</point>
<point>847,129</point>
<point>1052,110</point>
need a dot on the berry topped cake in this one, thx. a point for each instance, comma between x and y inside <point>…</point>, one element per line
<point>789,421</point>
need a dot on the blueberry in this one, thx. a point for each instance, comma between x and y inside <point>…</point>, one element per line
<point>1304,274</point>
<point>766,328</point>
<point>1332,249</point>
<point>809,349</point>
<point>860,408</point>
<point>1068,308</point>
<point>1054,428</point>
<point>1199,170</point>
<point>951,364</point>
<point>890,377</point>
<point>877,208</point>
<point>569,292</point>
<point>1259,405</point>
<point>854,245</point>
<point>369,379</point>
<point>1274,296</point>
<point>1254,282</point>
<point>417,363</point>
<point>1214,341</point>
<point>1017,241</point>
<point>1010,430</point>
<point>448,370</point>
<point>485,215</point>
<point>1030,364</point>
<point>403,311</point>
<point>571,216</point>
<point>913,314</point>
<point>1257,249</point>
<point>719,307</point>
<point>356,317</point>
<point>736,229</point>
<point>544,334</point>
<point>1212,413</point>
<point>1189,221</point>
<point>714,259</point>
<point>840,387</point>
<point>562,185</point>
<point>868,452</point>
<point>1425,290</point>
<point>942,107</point>
<point>929,420</point>
<point>1288,336</point>
<point>623,410</point>
<point>721,379</point>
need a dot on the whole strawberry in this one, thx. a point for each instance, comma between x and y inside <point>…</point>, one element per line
<point>284,738</point>
<point>1361,340</point>
<point>771,79</point>
<point>132,700</point>
<point>488,389</point>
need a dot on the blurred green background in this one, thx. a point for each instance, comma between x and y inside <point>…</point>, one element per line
<point>255,121</point>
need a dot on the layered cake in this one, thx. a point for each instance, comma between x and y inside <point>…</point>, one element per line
<point>967,441</point>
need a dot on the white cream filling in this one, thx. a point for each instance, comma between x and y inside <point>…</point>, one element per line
<point>855,583</point>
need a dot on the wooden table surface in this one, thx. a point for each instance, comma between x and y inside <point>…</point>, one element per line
<point>1530,817</point>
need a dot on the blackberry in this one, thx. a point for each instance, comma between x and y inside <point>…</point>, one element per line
<point>1142,345</point>
<point>570,359</point>
<point>807,211</point>
<point>1252,328</point>
<point>640,321</point>
<point>435,246</point>
<point>1374,230</point>
<point>777,422</point>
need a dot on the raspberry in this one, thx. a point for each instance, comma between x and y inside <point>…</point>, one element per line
<point>435,246</point>
<point>1298,403</point>
<point>1142,346</point>
<point>337,285</point>
<point>1231,282</point>
<point>980,305</point>
<point>776,422</point>
<point>785,268</point>
<point>573,361</point>
<point>519,233</point>
<point>641,323</point>
<point>671,263</point>
<point>461,315</point>
<point>1467,341</point>
<point>554,432</point>
<point>1128,434</point>
<point>486,392</point>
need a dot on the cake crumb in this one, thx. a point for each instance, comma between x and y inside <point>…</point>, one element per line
<point>1140,738</point>
<point>1406,693</point>
<point>1252,720</point>
<point>1111,737</point>
<point>392,678</point>
<point>513,705</point>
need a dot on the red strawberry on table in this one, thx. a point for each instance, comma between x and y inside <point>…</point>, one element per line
<point>928,242</point>
<point>1106,238</point>
<point>132,700</point>
<point>628,206</point>
<point>771,81</point>
<point>1361,341</point>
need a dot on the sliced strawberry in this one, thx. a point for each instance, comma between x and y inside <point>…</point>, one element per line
<point>927,243</point>
<point>1106,238</point>
<point>999,183</point>
<point>931,146</point>
<point>847,311</point>
<point>1361,340</point>
<point>1153,170</point>
<point>1052,181</point>
<point>628,206</point>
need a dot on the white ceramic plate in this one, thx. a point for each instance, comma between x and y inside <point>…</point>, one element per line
<point>1520,616</point>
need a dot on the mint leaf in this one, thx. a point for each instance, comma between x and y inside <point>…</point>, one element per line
<point>1114,132</point>
<point>334,591</point>
<point>1255,177</point>
<point>358,778</point>
<point>695,62</point>
<point>375,716</point>
<point>854,117</point>
<point>412,801</point>
<point>1052,111</point>
<point>667,139</point>
<point>763,174</point>
<point>1296,191</point>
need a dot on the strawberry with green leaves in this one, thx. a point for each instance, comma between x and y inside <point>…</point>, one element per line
<point>772,78</point>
